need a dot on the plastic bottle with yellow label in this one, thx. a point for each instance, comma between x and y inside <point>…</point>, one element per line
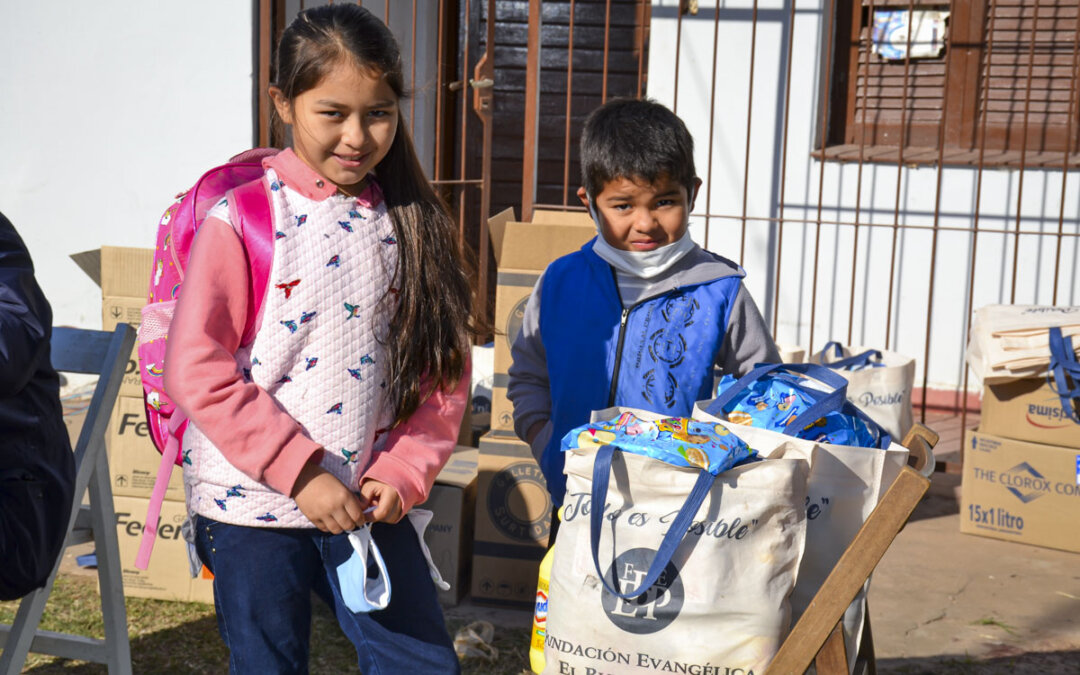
<point>540,612</point>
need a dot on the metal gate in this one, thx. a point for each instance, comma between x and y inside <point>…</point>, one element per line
<point>880,167</point>
<point>877,182</point>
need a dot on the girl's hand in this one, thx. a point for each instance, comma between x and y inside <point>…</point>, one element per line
<point>326,501</point>
<point>384,499</point>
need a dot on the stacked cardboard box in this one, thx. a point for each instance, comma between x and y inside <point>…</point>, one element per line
<point>124,277</point>
<point>1029,410</point>
<point>1021,477</point>
<point>522,251</point>
<point>513,509</point>
<point>513,519</point>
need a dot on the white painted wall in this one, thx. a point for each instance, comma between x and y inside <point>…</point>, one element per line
<point>107,110</point>
<point>838,185</point>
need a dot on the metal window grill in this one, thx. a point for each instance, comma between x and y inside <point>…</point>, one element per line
<point>876,193</point>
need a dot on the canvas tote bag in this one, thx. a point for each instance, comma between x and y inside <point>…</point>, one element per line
<point>879,382</point>
<point>678,570</point>
<point>1009,342</point>
<point>844,486</point>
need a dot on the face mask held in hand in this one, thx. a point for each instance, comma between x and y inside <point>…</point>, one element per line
<point>360,592</point>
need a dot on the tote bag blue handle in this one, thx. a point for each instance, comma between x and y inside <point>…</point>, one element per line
<point>820,373</point>
<point>671,540</point>
<point>1064,367</point>
<point>859,360</point>
<point>835,401</point>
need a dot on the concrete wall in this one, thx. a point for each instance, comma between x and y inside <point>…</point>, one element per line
<point>838,185</point>
<point>107,110</point>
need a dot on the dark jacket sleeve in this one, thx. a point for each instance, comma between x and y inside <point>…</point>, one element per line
<point>25,317</point>
<point>37,467</point>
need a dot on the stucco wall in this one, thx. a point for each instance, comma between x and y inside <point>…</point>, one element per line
<point>107,109</point>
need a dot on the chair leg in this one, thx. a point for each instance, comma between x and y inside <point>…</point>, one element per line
<point>866,648</point>
<point>110,578</point>
<point>24,628</point>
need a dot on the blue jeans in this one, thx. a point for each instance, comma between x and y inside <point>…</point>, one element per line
<point>263,580</point>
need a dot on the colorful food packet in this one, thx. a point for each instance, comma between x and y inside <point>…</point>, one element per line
<point>679,441</point>
<point>775,401</point>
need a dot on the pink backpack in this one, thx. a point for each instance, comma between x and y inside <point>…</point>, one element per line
<point>249,210</point>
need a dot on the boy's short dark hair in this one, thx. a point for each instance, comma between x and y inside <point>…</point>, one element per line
<point>635,139</point>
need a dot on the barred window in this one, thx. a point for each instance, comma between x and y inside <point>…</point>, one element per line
<point>1005,81</point>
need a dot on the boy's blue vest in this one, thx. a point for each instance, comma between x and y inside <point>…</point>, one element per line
<point>661,350</point>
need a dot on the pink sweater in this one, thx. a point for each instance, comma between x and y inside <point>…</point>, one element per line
<point>244,421</point>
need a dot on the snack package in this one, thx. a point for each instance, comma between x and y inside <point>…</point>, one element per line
<point>773,402</point>
<point>678,441</point>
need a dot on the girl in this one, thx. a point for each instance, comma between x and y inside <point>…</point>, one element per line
<point>348,401</point>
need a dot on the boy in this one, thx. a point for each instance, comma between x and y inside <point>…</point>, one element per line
<point>641,315</point>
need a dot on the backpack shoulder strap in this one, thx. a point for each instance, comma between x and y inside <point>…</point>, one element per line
<point>251,212</point>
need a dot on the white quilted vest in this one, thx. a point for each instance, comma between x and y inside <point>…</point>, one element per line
<point>315,351</point>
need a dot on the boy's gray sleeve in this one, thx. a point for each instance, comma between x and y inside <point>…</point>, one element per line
<point>528,388</point>
<point>747,340</point>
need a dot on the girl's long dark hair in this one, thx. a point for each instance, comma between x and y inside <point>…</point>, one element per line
<point>429,336</point>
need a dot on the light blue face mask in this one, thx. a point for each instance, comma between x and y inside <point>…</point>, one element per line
<point>642,264</point>
<point>361,593</point>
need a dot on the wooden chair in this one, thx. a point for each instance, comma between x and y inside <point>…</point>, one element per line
<point>818,637</point>
<point>105,354</point>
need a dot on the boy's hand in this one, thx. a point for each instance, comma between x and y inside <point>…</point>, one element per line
<point>326,501</point>
<point>384,499</point>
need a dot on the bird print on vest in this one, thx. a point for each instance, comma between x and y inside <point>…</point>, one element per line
<point>288,287</point>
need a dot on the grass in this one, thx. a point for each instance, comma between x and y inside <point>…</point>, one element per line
<point>991,621</point>
<point>175,638</point>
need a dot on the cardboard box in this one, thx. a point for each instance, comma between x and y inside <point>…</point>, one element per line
<point>133,459</point>
<point>167,577</point>
<point>513,518</point>
<point>1028,410</point>
<point>522,251</point>
<point>557,217</point>
<point>1020,491</point>
<point>124,277</point>
<point>449,536</point>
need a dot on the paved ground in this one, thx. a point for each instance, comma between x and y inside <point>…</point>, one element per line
<point>944,602</point>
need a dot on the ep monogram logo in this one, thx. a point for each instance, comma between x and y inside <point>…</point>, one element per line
<point>654,609</point>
